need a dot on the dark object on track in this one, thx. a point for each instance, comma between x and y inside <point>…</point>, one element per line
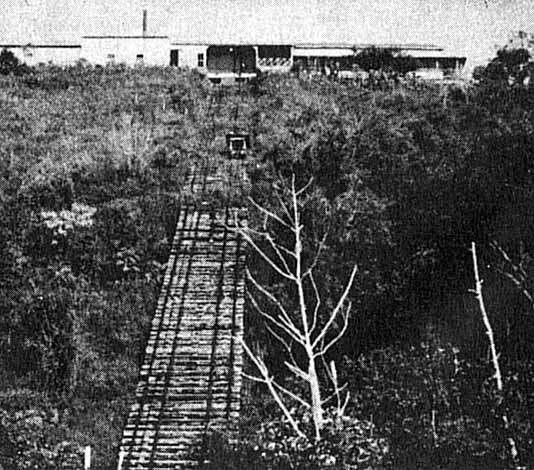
<point>237,144</point>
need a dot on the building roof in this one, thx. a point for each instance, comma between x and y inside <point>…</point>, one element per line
<point>434,54</point>
<point>323,51</point>
<point>42,46</point>
<point>140,36</point>
<point>409,46</point>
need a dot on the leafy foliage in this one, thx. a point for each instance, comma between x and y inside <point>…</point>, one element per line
<point>85,230</point>
<point>438,409</point>
<point>505,84</point>
<point>9,63</point>
<point>31,435</point>
<point>348,443</point>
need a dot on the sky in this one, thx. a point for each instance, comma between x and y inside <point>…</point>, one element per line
<point>474,28</point>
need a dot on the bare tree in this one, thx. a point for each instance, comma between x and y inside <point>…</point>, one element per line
<point>512,448</point>
<point>304,329</point>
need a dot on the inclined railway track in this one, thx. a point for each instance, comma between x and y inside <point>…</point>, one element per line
<point>190,379</point>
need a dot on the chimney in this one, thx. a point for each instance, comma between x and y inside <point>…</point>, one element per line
<point>144,22</point>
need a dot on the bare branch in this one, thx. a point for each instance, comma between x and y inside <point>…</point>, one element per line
<point>258,250</point>
<point>324,350</point>
<point>268,380</point>
<point>304,188</point>
<point>253,378</point>
<point>267,236</point>
<point>284,208</point>
<point>519,283</point>
<point>519,276</point>
<point>345,403</point>
<point>335,393</point>
<point>317,256</point>
<point>284,343</point>
<point>298,371</point>
<point>518,268</point>
<point>269,213</point>
<point>317,304</point>
<point>288,328</point>
<point>267,294</point>
<point>288,346</point>
<point>334,313</point>
<point>276,247</point>
<point>249,230</point>
<point>274,300</point>
<point>291,394</point>
<point>287,251</point>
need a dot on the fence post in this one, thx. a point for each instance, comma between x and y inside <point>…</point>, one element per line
<point>87,458</point>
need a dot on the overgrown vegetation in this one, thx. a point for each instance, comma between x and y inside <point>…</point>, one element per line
<point>91,168</point>
<point>88,209</point>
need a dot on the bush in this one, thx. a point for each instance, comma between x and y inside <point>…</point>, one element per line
<point>31,436</point>
<point>438,410</point>
<point>8,62</point>
<point>346,443</point>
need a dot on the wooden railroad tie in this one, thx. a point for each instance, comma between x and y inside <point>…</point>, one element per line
<point>191,376</point>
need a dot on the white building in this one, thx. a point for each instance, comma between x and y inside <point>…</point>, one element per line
<point>190,56</point>
<point>270,58</point>
<point>218,60</point>
<point>437,63</point>
<point>129,50</point>
<point>35,54</point>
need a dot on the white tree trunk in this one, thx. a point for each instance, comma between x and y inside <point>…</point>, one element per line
<point>303,328</point>
<point>494,355</point>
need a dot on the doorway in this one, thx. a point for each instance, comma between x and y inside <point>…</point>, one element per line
<point>174,57</point>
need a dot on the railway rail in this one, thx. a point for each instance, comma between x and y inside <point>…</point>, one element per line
<point>191,376</point>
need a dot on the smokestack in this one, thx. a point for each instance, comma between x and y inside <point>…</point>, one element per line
<point>144,22</point>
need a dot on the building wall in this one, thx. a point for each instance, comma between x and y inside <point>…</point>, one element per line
<point>129,50</point>
<point>274,58</point>
<point>156,50</point>
<point>188,56</point>
<point>39,54</point>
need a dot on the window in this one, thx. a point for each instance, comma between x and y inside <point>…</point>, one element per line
<point>139,59</point>
<point>111,57</point>
<point>200,60</point>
